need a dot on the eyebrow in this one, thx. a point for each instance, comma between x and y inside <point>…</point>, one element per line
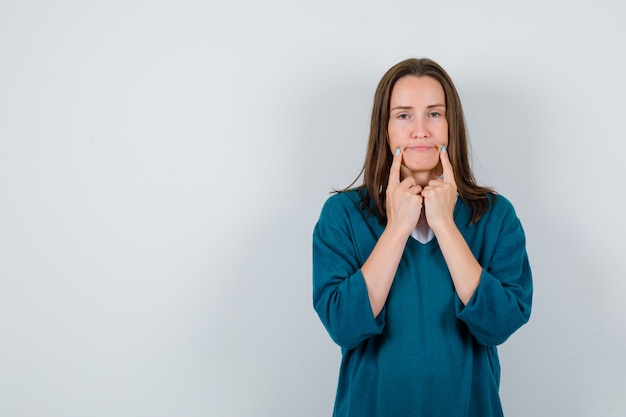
<point>410,107</point>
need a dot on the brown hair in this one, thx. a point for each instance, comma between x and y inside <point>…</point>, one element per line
<point>378,158</point>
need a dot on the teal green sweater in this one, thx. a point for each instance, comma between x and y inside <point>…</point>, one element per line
<point>426,354</point>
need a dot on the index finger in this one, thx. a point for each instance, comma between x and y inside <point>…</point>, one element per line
<point>394,171</point>
<point>448,171</point>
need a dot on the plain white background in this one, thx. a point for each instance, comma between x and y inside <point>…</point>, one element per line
<point>162,165</point>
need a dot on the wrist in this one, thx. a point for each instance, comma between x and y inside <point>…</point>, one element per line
<point>443,227</point>
<point>397,231</point>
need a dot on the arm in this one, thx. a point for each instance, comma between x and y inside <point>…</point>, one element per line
<point>340,296</point>
<point>495,294</point>
<point>348,297</point>
<point>502,301</point>
<point>439,199</point>
<point>404,205</point>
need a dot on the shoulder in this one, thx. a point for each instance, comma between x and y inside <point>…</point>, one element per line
<point>490,204</point>
<point>344,211</point>
<point>499,205</point>
<point>501,214</point>
<point>342,202</point>
<point>498,229</point>
<point>499,211</point>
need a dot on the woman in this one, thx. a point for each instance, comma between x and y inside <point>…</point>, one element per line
<point>419,273</point>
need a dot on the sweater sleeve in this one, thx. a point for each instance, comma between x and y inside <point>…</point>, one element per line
<point>340,296</point>
<point>501,303</point>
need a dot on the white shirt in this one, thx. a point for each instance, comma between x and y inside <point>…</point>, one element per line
<point>422,232</point>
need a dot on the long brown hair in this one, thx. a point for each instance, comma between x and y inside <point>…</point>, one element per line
<point>378,158</point>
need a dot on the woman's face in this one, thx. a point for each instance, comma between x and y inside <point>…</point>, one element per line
<point>418,124</point>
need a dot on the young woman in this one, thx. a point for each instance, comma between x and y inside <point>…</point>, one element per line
<point>419,273</point>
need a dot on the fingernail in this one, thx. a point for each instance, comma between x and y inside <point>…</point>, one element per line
<point>397,151</point>
<point>443,149</point>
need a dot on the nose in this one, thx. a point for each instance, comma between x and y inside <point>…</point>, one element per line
<point>419,128</point>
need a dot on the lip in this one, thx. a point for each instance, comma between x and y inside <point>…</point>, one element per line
<point>421,148</point>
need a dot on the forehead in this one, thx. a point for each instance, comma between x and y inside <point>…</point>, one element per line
<point>411,89</point>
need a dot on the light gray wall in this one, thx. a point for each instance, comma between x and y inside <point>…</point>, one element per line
<point>162,165</point>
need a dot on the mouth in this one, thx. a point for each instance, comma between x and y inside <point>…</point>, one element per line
<point>421,148</point>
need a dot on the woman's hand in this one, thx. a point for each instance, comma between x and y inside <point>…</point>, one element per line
<point>440,196</point>
<point>439,201</point>
<point>403,205</point>
<point>403,199</point>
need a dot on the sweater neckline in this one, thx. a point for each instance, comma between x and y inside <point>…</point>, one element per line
<point>427,247</point>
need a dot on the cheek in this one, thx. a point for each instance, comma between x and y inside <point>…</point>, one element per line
<point>444,135</point>
<point>393,142</point>
<point>394,134</point>
<point>393,138</point>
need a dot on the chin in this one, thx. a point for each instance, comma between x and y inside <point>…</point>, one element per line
<point>417,168</point>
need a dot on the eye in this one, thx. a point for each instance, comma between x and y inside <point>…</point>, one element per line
<point>403,116</point>
<point>434,114</point>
